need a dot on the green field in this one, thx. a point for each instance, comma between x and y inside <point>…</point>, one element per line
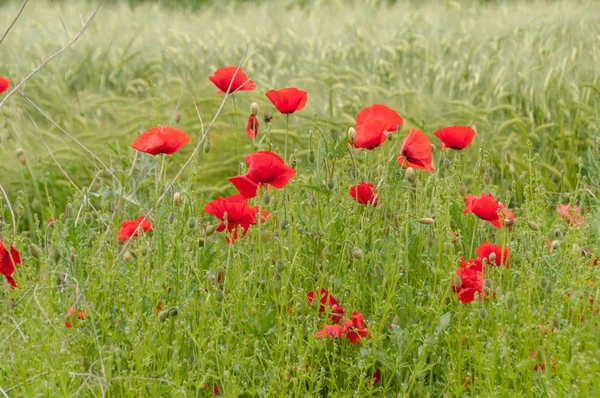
<point>177,311</point>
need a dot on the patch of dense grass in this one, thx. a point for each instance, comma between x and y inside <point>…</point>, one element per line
<point>177,311</point>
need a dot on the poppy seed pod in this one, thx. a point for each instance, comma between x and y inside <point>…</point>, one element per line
<point>311,156</point>
<point>426,220</point>
<point>163,315</point>
<point>352,135</point>
<point>177,198</point>
<point>254,108</point>
<point>410,175</point>
<point>207,147</point>
<point>533,226</point>
<point>357,253</point>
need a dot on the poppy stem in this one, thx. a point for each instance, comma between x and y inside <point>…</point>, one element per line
<point>237,133</point>
<point>287,132</point>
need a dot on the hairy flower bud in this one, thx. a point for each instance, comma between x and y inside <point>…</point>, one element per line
<point>352,134</point>
<point>311,156</point>
<point>207,147</point>
<point>357,253</point>
<point>163,315</point>
<point>177,198</point>
<point>410,175</point>
<point>426,220</point>
<point>533,226</point>
<point>254,108</point>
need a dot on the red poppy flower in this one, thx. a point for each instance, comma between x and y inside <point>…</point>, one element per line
<point>393,121</point>
<point>131,228</point>
<point>234,213</point>
<point>455,137</point>
<point>72,310</point>
<point>81,315</point>
<point>252,127</point>
<point>355,328</point>
<point>501,253</point>
<point>330,331</point>
<point>161,140</point>
<point>415,151</point>
<point>68,325</point>
<point>288,100</point>
<point>8,260</point>
<point>327,299</point>
<point>370,135</point>
<point>364,194</point>
<point>571,215</point>
<point>263,168</point>
<point>223,77</point>
<point>4,84</point>
<point>471,280</point>
<point>488,209</point>
<point>541,366</point>
<point>376,377</point>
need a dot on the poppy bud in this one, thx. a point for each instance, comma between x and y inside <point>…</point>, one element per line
<point>545,284</point>
<point>73,255</point>
<point>191,223</point>
<point>311,156</point>
<point>209,230</point>
<point>389,135</point>
<point>533,226</point>
<point>177,198</point>
<point>511,301</point>
<point>462,189</point>
<point>268,118</point>
<point>19,151</point>
<point>433,148</point>
<point>555,244</point>
<point>330,184</point>
<point>174,311</point>
<point>219,295</point>
<point>357,253</point>
<point>410,175</point>
<point>396,320</point>
<point>457,281</point>
<point>128,256</point>
<point>284,224</point>
<point>492,257</point>
<point>314,304</point>
<point>254,108</point>
<point>177,117</point>
<point>207,147</point>
<point>201,242</point>
<point>266,199</point>
<point>487,178</point>
<point>352,134</point>
<point>163,315</point>
<point>482,313</point>
<point>426,220</point>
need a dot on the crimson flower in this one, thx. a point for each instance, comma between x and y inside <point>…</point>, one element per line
<point>376,377</point>
<point>415,151</point>
<point>355,329</point>
<point>486,249</point>
<point>330,331</point>
<point>455,137</point>
<point>252,127</point>
<point>488,209</point>
<point>223,77</point>
<point>234,213</point>
<point>471,280</point>
<point>327,299</point>
<point>4,84</point>
<point>364,194</point>
<point>393,121</point>
<point>370,134</point>
<point>68,325</point>
<point>131,228</point>
<point>263,168</point>
<point>8,260</point>
<point>288,100</point>
<point>571,215</point>
<point>161,140</point>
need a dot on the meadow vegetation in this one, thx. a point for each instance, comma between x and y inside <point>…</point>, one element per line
<point>177,311</point>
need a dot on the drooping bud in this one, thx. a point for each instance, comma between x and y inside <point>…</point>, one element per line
<point>555,244</point>
<point>462,189</point>
<point>177,117</point>
<point>209,230</point>
<point>330,184</point>
<point>492,257</point>
<point>191,223</point>
<point>457,281</point>
<point>426,220</point>
<point>545,284</point>
<point>207,147</point>
<point>19,151</point>
<point>352,134</point>
<point>293,161</point>
<point>314,304</point>
<point>487,178</point>
<point>219,296</point>
<point>482,313</point>
<point>128,256</point>
<point>254,108</point>
<point>433,148</point>
<point>357,253</point>
<point>396,320</point>
<point>311,156</point>
<point>511,301</point>
<point>410,175</point>
<point>266,199</point>
<point>163,315</point>
<point>177,198</point>
<point>174,311</point>
<point>35,251</point>
<point>533,226</point>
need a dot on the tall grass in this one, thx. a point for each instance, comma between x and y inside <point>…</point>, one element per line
<point>524,74</point>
